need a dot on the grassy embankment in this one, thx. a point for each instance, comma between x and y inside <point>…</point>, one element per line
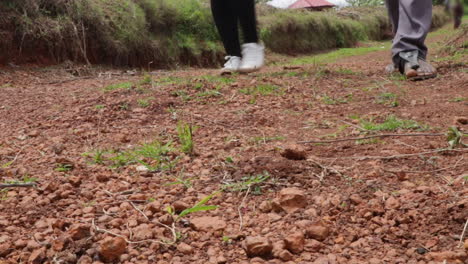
<point>166,33</point>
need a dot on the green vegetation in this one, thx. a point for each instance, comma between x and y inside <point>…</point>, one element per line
<point>337,100</point>
<point>121,32</point>
<point>392,123</point>
<point>155,156</point>
<point>145,102</point>
<point>252,183</point>
<point>304,32</point>
<point>119,86</point>
<point>390,99</point>
<point>185,133</point>
<point>333,56</point>
<point>167,33</point>
<point>262,89</point>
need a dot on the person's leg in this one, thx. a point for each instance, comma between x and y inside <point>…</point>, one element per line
<point>248,20</point>
<point>409,51</point>
<point>414,22</point>
<point>226,20</point>
<point>253,53</point>
<point>458,13</point>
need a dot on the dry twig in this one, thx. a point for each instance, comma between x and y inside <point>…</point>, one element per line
<point>239,209</point>
<point>373,136</point>
<point>18,185</point>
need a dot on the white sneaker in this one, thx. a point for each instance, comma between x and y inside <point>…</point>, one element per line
<point>253,57</point>
<point>232,64</point>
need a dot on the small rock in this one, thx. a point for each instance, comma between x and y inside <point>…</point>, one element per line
<point>5,249</point>
<point>449,256</point>
<point>185,249</point>
<point>112,248</point>
<point>60,243</point>
<point>180,206</point>
<point>75,181</point>
<point>101,177</point>
<point>221,260</point>
<point>143,232</point>
<point>123,138</point>
<point>154,207</point>
<point>265,207</point>
<point>257,246</point>
<point>142,168</point>
<point>33,133</point>
<point>37,256</point>
<point>355,199</point>
<point>285,255</point>
<point>292,199</point>
<point>80,231</point>
<point>166,219</point>
<point>392,203</point>
<point>208,223</point>
<point>318,231</point>
<point>295,242</point>
<point>461,120</point>
<point>294,152</point>
<point>313,245</point>
<point>58,148</point>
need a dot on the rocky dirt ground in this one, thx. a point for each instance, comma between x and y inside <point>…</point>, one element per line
<point>116,178</point>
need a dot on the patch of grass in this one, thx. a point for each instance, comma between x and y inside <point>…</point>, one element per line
<point>347,71</point>
<point>390,99</point>
<point>254,183</point>
<point>118,86</point>
<point>64,167</point>
<point>458,99</point>
<point>155,156</point>
<point>99,107</point>
<point>209,93</point>
<point>337,100</point>
<point>262,89</point>
<point>147,79</point>
<point>392,123</point>
<point>333,56</point>
<point>170,80</point>
<point>217,79</point>
<point>97,156</point>
<point>182,94</point>
<point>185,134</point>
<point>124,106</point>
<point>145,102</point>
<point>368,141</point>
<point>181,179</point>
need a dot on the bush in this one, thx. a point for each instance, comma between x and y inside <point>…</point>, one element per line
<point>292,31</point>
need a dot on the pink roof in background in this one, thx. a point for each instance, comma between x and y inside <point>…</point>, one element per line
<point>311,3</point>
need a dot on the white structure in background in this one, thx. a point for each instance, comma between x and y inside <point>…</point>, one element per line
<point>286,3</point>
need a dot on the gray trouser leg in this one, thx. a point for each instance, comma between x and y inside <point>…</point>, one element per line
<point>411,21</point>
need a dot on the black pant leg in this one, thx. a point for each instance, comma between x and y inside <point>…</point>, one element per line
<point>248,20</point>
<point>226,20</point>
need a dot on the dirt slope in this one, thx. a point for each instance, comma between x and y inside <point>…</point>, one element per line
<point>381,200</point>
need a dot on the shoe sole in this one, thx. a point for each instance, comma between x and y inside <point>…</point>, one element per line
<point>250,70</point>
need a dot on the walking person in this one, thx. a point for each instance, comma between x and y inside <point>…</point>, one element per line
<point>228,14</point>
<point>411,20</point>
